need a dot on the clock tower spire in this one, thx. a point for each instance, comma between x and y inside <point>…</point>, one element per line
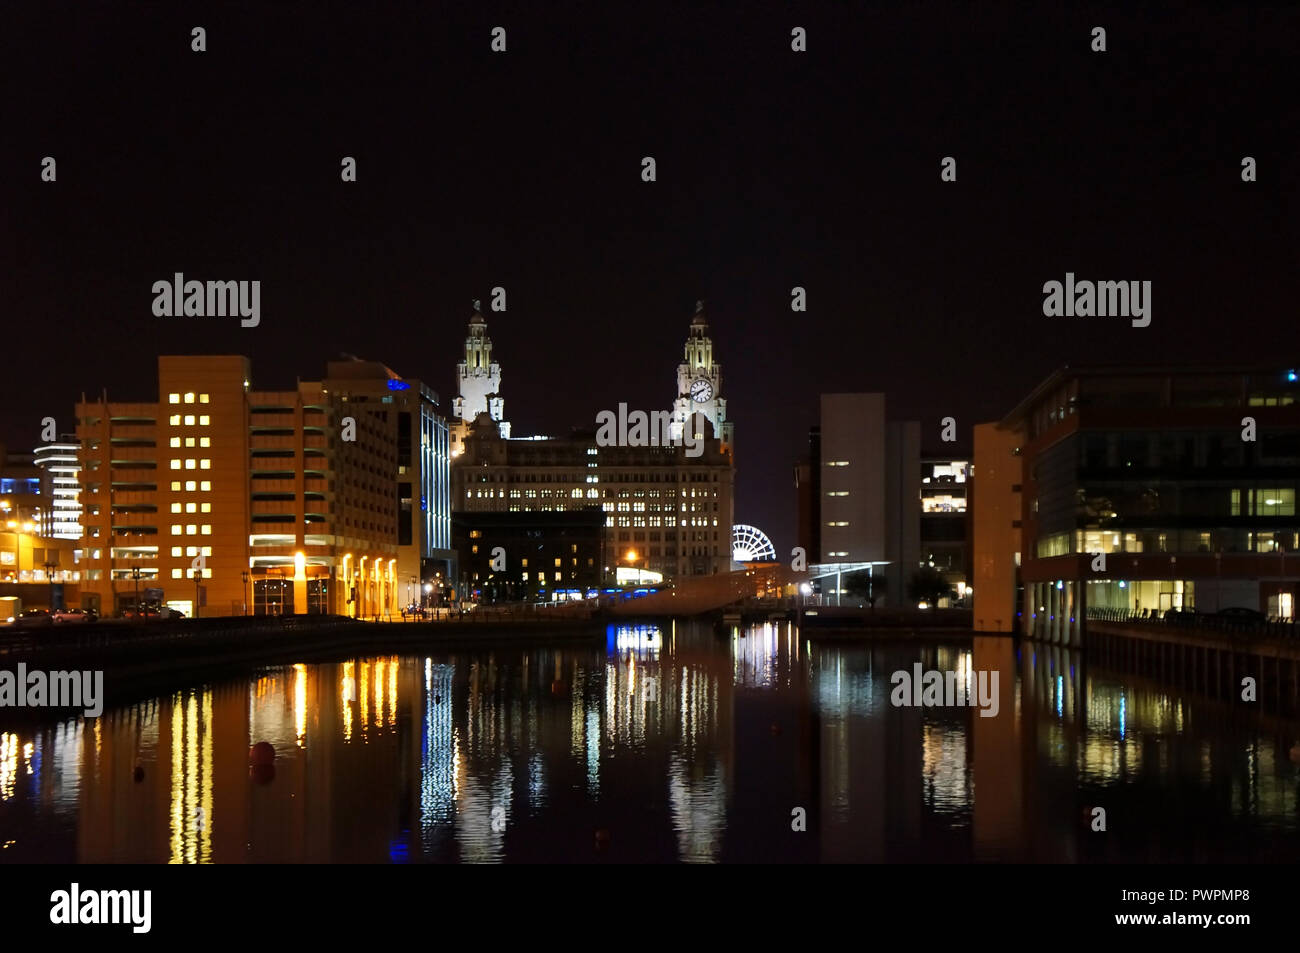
<point>699,383</point>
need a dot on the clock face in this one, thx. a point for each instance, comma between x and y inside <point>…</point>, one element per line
<point>701,390</point>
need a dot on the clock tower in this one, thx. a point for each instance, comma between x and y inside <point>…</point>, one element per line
<point>699,383</point>
<point>479,379</point>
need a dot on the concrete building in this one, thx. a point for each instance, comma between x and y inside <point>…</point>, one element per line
<point>1147,489</point>
<point>866,510</point>
<point>234,500</point>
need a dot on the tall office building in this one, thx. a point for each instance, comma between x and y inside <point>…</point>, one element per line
<point>278,501</point>
<point>867,506</point>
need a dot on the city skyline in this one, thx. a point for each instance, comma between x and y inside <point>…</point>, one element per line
<point>774,172</point>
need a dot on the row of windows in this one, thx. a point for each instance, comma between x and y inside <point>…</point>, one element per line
<point>189,420</point>
<point>204,486</point>
<point>193,507</point>
<point>186,398</point>
<point>189,441</point>
<point>191,529</point>
<point>203,464</point>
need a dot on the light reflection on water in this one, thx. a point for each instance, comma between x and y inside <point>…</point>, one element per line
<point>664,744</point>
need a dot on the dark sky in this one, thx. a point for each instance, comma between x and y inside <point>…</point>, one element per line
<point>522,169</point>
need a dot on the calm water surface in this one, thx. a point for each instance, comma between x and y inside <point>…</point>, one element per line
<point>664,744</point>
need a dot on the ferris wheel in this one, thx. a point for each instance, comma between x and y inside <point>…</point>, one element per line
<point>750,544</point>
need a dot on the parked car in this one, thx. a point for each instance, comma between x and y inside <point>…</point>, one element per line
<point>167,612</point>
<point>1240,614</point>
<point>34,617</point>
<point>75,615</point>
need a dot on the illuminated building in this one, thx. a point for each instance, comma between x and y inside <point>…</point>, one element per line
<point>280,501</point>
<point>545,556</point>
<point>943,534</point>
<point>673,509</point>
<point>59,483</point>
<point>1156,469</point>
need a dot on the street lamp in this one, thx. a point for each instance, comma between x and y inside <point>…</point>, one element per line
<point>135,574</point>
<point>245,576</point>
<point>198,574</point>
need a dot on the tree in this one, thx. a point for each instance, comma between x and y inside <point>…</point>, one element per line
<point>870,586</point>
<point>929,586</point>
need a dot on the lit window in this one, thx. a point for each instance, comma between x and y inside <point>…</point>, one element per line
<point>205,441</point>
<point>176,507</point>
<point>189,398</point>
<point>176,529</point>
<point>205,507</point>
<point>189,420</point>
<point>176,485</point>
<point>207,551</point>
<point>191,550</point>
<point>190,463</point>
<point>205,486</point>
<point>173,398</point>
<point>558,576</point>
<point>176,574</point>
<point>189,486</point>
<point>557,560</point>
<point>203,398</point>
<point>207,574</point>
<point>175,464</point>
<point>205,464</point>
<point>204,420</point>
<point>176,441</point>
<point>207,529</point>
<point>189,441</point>
<point>191,508</point>
<point>191,530</point>
<point>176,550</point>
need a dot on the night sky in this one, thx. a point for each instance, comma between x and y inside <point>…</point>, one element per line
<point>522,169</point>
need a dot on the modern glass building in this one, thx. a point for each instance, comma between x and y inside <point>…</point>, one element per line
<point>1156,488</point>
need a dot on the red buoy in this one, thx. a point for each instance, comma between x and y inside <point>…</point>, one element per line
<point>261,753</point>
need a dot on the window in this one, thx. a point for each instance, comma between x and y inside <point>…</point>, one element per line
<point>191,530</point>
<point>189,420</point>
<point>175,464</point>
<point>176,486</point>
<point>176,507</point>
<point>190,463</point>
<point>205,464</point>
<point>205,486</point>
<point>206,551</point>
<point>189,486</point>
<point>173,398</point>
<point>189,441</point>
<point>176,574</point>
<point>189,398</point>
<point>176,550</point>
<point>174,420</point>
<point>191,508</point>
<point>175,441</point>
<point>204,420</point>
<point>176,529</point>
<point>203,398</point>
<point>205,507</point>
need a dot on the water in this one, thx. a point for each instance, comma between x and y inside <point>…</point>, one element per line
<point>661,745</point>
